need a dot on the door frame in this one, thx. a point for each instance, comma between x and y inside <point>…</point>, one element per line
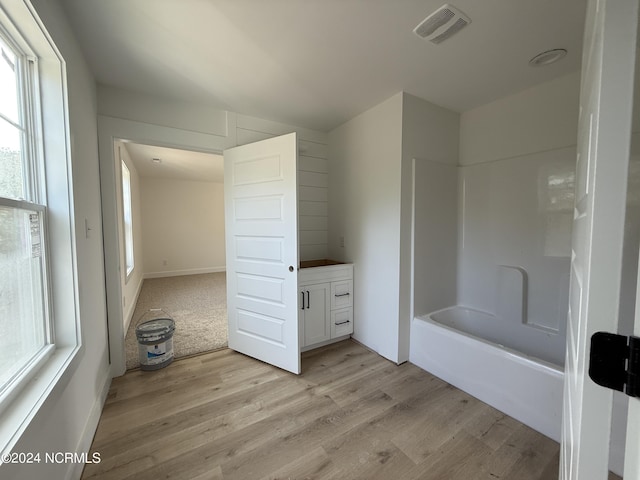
<point>111,129</point>
<point>604,132</point>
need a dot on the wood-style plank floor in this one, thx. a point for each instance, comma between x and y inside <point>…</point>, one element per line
<point>350,414</point>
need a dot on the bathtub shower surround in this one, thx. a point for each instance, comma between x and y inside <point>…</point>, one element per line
<point>435,231</point>
<point>503,336</point>
<point>503,339</point>
<point>470,350</point>
<point>511,222</point>
<point>515,239</point>
<point>500,333</point>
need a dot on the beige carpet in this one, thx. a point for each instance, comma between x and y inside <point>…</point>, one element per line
<point>197,303</point>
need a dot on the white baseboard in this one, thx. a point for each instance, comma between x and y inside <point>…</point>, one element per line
<point>90,427</point>
<point>191,271</point>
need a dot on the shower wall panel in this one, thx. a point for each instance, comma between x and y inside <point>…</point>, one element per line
<point>515,220</point>
<point>435,234</point>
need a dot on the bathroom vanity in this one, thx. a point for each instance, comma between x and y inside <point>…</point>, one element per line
<point>325,302</point>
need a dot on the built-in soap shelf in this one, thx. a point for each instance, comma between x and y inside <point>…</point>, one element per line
<point>512,297</point>
<point>512,286</point>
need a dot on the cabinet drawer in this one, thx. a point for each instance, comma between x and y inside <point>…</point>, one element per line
<point>342,294</point>
<point>341,322</point>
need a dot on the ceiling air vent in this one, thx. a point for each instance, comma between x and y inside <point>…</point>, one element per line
<point>441,24</point>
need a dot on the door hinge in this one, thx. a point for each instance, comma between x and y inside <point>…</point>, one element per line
<point>614,362</point>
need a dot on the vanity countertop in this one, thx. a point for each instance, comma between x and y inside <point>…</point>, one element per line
<point>324,262</point>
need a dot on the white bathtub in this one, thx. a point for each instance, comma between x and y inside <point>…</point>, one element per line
<point>522,386</point>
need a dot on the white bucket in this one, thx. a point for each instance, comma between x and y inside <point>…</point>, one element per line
<point>155,340</point>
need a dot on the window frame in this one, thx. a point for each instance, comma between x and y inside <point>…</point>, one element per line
<point>34,198</point>
<point>127,213</point>
<point>52,187</point>
<point>27,79</point>
<point>29,369</point>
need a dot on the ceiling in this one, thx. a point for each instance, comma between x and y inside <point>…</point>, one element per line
<point>176,164</point>
<point>318,63</point>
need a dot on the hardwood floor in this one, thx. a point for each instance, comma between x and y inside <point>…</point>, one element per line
<point>351,414</point>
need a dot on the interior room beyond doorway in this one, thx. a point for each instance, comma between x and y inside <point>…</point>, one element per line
<point>171,219</point>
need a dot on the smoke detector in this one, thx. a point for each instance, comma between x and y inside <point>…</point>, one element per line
<point>442,24</point>
<point>548,57</point>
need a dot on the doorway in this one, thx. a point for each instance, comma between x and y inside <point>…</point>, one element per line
<point>170,209</point>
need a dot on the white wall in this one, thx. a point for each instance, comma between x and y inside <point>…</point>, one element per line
<point>371,201</point>
<point>130,286</point>
<point>182,227</point>
<point>313,181</point>
<point>313,204</point>
<point>364,208</point>
<point>536,120</point>
<point>67,422</point>
<point>516,206</point>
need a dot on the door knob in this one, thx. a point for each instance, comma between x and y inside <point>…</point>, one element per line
<point>291,268</point>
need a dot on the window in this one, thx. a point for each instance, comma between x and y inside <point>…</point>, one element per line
<point>128,218</point>
<point>25,330</point>
<point>40,337</point>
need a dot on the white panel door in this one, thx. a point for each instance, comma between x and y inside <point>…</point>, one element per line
<point>604,134</point>
<point>260,194</point>
<point>632,446</point>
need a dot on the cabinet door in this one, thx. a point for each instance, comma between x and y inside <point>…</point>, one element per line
<point>316,324</point>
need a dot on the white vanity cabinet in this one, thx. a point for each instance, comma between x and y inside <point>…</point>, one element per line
<point>325,302</point>
<point>314,305</point>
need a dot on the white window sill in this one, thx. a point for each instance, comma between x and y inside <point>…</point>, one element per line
<point>38,395</point>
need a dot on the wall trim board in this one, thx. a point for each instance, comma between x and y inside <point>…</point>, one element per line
<point>313,179</point>
<point>132,305</point>
<point>189,116</point>
<point>91,425</point>
<point>270,127</point>
<point>521,155</point>
<point>306,148</point>
<point>166,136</point>
<point>178,273</point>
